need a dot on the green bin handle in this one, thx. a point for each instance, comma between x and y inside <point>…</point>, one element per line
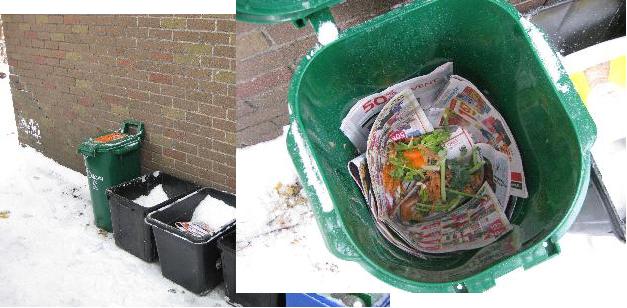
<point>139,126</point>
<point>137,136</point>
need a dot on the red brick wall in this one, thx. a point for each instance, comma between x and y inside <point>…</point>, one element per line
<point>268,54</point>
<point>76,76</point>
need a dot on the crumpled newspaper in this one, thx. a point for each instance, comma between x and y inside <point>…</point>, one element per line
<point>473,122</point>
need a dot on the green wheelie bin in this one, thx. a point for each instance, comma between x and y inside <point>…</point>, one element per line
<point>497,49</point>
<point>110,159</point>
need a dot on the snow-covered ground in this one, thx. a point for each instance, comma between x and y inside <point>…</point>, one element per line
<point>50,251</point>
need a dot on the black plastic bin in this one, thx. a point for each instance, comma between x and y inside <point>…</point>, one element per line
<point>227,246</point>
<point>192,262</point>
<point>130,231</point>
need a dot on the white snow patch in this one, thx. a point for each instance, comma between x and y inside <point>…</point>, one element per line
<point>280,241</point>
<point>563,88</point>
<point>51,254</point>
<point>327,33</point>
<point>155,196</point>
<point>314,178</point>
<point>547,56</point>
<point>156,173</point>
<point>312,52</point>
<point>213,212</point>
<point>31,128</point>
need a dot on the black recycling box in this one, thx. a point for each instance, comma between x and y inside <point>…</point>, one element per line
<point>192,262</point>
<point>227,246</point>
<point>130,231</point>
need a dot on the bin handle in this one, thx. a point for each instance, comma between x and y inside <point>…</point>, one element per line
<point>138,125</point>
<point>319,18</point>
<point>334,236</point>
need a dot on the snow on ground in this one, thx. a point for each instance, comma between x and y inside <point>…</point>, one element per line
<point>278,242</point>
<point>50,251</point>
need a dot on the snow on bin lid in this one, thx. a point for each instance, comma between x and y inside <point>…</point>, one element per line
<point>276,11</point>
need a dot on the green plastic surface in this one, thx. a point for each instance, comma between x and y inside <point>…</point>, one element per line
<point>109,164</point>
<point>275,11</point>
<point>489,46</point>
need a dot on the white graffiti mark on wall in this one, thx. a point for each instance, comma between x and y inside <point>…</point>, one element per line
<point>30,127</point>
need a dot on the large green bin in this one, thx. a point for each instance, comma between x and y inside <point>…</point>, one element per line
<point>509,60</point>
<point>110,159</point>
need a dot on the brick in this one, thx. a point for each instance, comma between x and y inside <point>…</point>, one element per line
<point>206,164</point>
<point>285,32</point>
<point>30,34</point>
<point>263,83</point>
<point>225,25</point>
<point>137,32</point>
<point>265,114</point>
<point>214,38</point>
<point>173,23</point>
<point>73,56</point>
<point>120,110</point>
<point>173,113</point>
<point>280,57</point>
<point>173,91</point>
<point>57,36</point>
<point>224,51</point>
<point>83,84</point>
<point>160,34</point>
<point>262,132</point>
<point>251,43</point>
<point>185,104</point>
<point>150,22</point>
<point>212,110</point>
<point>224,148</point>
<point>186,59</point>
<point>160,78</point>
<point>198,96</point>
<point>160,56</point>
<point>199,49</point>
<point>186,36</point>
<point>177,155</point>
<point>223,169</point>
<point>71,19</point>
<point>41,19</point>
<point>201,24</point>
<point>102,69</point>
<point>224,125</point>
<point>80,29</point>
<point>55,19</point>
<point>185,147</point>
<point>225,77</point>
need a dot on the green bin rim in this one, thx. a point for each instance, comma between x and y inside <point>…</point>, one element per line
<point>90,147</point>
<point>343,247</point>
<point>271,12</point>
